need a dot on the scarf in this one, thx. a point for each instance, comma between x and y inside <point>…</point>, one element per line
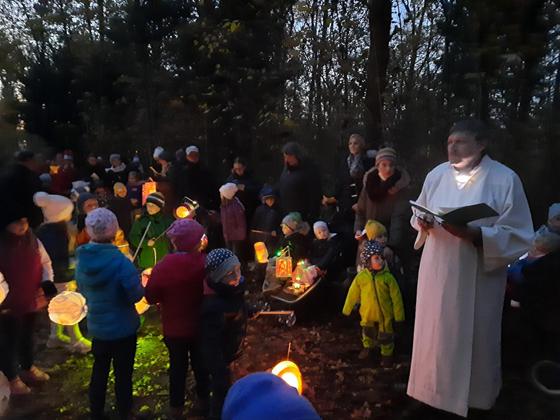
<point>355,165</point>
<point>376,188</point>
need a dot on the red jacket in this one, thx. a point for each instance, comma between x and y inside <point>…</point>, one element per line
<point>176,284</point>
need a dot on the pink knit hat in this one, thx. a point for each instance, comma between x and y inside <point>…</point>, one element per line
<point>185,234</point>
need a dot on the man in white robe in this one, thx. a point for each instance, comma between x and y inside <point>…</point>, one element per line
<point>461,284</point>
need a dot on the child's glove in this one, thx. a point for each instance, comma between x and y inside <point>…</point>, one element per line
<point>49,289</point>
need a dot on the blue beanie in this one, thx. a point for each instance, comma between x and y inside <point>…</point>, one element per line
<point>266,396</point>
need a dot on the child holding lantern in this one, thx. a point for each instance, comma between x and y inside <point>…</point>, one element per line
<point>176,284</point>
<point>232,214</point>
<point>148,232</point>
<point>296,236</point>
<point>111,286</point>
<point>265,226</point>
<point>378,294</point>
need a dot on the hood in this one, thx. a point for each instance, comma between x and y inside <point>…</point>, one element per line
<point>97,261</point>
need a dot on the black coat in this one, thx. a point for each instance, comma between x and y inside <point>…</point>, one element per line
<point>300,246</point>
<point>122,207</point>
<point>197,183</point>
<point>325,253</point>
<point>348,188</point>
<point>17,186</point>
<point>54,237</point>
<point>250,195</point>
<point>266,219</point>
<point>96,169</point>
<point>299,189</point>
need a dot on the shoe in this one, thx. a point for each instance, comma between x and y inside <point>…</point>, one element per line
<point>34,375</point>
<point>364,354</point>
<point>82,346</point>
<point>18,387</point>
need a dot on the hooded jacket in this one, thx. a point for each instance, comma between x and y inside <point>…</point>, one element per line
<point>111,286</point>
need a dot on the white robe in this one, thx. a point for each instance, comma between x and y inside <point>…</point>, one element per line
<point>457,333</point>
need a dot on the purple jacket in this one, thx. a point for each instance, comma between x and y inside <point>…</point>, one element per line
<point>234,225</point>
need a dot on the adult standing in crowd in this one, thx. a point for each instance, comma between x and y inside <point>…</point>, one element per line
<point>384,198</point>
<point>197,182</point>
<point>18,185</point>
<point>64,176</point>
<point>462,277</point>
<point>117,172</point>
<point>93,172</point>
<point>349,180</point>
<point>247,187</point>
<point>299,187</point>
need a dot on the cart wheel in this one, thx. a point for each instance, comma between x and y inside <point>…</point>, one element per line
<point>545,376</point>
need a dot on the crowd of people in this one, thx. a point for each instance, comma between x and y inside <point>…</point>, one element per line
<point>116,230</point>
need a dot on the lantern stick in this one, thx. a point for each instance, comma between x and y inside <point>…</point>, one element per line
<point>141,241</point>
<point>289,350</point>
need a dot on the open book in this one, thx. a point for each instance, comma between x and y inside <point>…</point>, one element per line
<point>460,215</point>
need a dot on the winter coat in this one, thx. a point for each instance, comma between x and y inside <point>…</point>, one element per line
<point>197,183</point>
<point>325,253</point>
<point>392,211</point>
<point>111,285</point>
<point>150,255</point>
<point>20,184</point>
<point>299,189</point>
<point>123,210</point>
<point>54,237</point>
<point>114,175</point>
<point>249,196</point>
<point>348,188</point>
<point>62,180</point>
<point>97,169</point>
<point>379,298</point>
<point>24,264</point>
<point>234,224</point>
<point>300,245</point>
<point>266,219</point>
<point>176,283</point>
<point>135,193</point>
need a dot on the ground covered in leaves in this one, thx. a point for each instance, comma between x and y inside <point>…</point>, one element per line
<point>338,384</point>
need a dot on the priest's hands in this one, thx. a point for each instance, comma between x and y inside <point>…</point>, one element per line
<point>472,234</point>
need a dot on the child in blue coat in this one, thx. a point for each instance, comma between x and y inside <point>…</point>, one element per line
<point>111,286</point>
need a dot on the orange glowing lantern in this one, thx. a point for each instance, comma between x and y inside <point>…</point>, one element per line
<point>142,306</point>
<point>67,308</point>
<point>148,188</point>
<point>284,267</point>
<point>4,288</point>
<point>290,373</point>
<point>261,253</point>
<point>186,209</point>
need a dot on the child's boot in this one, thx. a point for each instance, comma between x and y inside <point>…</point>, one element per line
<point>33,375</point>
<point>18,387</point>
<point>57,337</point>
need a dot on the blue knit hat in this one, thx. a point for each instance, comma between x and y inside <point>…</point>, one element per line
<point>266,396</point>
<point>370,249</point>
<point>267,191</point>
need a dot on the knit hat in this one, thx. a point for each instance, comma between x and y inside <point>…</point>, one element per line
<point>157,152</point>
<point>293,149</point>
<point>219,262</point>
<point>101,225</point>
<point>295,223</point>
<point>83,197</point>
<point>374,229</point>
<point>228,190</point>
<point>114,156</point>
<point>56,208</point>
<point>267,191</point>
<point>185,234</point>
<point>166,156</point>
<point>554,211</point>
<point>370,249</point>
<point>191,149</point>
<point>156,198</point>
<point>385,153</point>
<point>319,225</point>
<point>263,395</point>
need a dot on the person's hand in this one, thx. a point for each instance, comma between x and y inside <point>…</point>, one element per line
<point>472,234</point>
<point>151,242</point>
<point>425,223</point>
<point>358,235</point>
<point>134,201</point>
<point>241,187</point>
<point>388,254</point>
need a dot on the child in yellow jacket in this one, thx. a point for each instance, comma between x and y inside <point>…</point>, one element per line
<point>378,294</point>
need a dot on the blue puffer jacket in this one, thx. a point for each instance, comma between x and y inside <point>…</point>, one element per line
<point>111,286</point>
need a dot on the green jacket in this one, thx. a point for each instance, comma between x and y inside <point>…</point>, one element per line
<point>150,255</point>
<point>379,298</point>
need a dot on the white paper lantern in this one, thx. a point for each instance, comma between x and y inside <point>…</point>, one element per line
<point>67,308</point>
<point>4,288</point>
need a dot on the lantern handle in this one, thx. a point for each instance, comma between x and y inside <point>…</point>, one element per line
<point>289,350</point>
<point>141,241</point>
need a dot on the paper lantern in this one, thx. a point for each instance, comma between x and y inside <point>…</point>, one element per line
<point>146,276</point>
<point>142,306</point>
<point>4,288</point>
<point>67,308</point>
<point>186,209</point>
<point>261,253</point>
<point>284,267</point>
<point>290,373</point>
<point>148,188</point>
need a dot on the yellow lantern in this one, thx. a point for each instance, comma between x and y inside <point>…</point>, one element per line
<point>290,373</point>
<point>148,188</point>
<point>283,267</point>
<point>261,253</point>
<point>142,306</point>
<point>67,308</point>
<point>4,288</point>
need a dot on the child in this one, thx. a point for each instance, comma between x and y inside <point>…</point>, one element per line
<point>154,223</point>
<point>86,203</point>
<point>111,286</point>
<point>325,248</point>
<point>223,322</point>
<point>232,214</point>
<point>54,234</point>
<point>377,292</point>
<point>266,220</point>
<point>27,269</point>
<point>296,237</point>
<point>134,187</point>
<point>121,206</point>
<point>176,284</point>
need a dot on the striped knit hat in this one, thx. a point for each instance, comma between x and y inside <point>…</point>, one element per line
<point>156,198</point>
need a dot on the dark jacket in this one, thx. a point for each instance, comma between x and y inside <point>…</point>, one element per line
<point>250,194</point>
<point>176,283</point>
<point>20,184</point>
<point>150,255</point>
<point>54,237</point>
<point>299,189</point>
<point>266,219</point>
<point>348,188</point>
<point>325,253</point>
<point>122,207</point>
<point>300,245</point>
<point>96,169</point>
<point>197,183</point>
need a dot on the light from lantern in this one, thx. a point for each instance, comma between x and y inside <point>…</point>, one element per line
<point>290,373</point>
<point>148,188</point>
<point>146,276</point>
<point>283,267</point>
<point>261,253</point>
<point>142,306</point>
<point>4,288</point>
<point>297,286</point>
<point>67,308</point>
<point>182,212</point>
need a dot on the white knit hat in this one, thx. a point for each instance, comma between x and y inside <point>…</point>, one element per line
<point>56,208</point>
<point>101,225</point>
<point>319,224</point>
<point>157,152</point>
<point>553,210</point>
<point>191,149</point>
<point>228,190</point>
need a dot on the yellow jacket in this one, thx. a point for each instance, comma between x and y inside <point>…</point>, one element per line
<point>379,298</point>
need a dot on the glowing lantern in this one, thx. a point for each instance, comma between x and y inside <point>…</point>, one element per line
<point>187,208</point>
<point>148,188</point>
<point>4,288</point>
<point>142,306</point>
<point>67,308</point>
<point>290,373</point>
<point>261,253</point>
<point>146,276</point>
<point>283,267</point>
